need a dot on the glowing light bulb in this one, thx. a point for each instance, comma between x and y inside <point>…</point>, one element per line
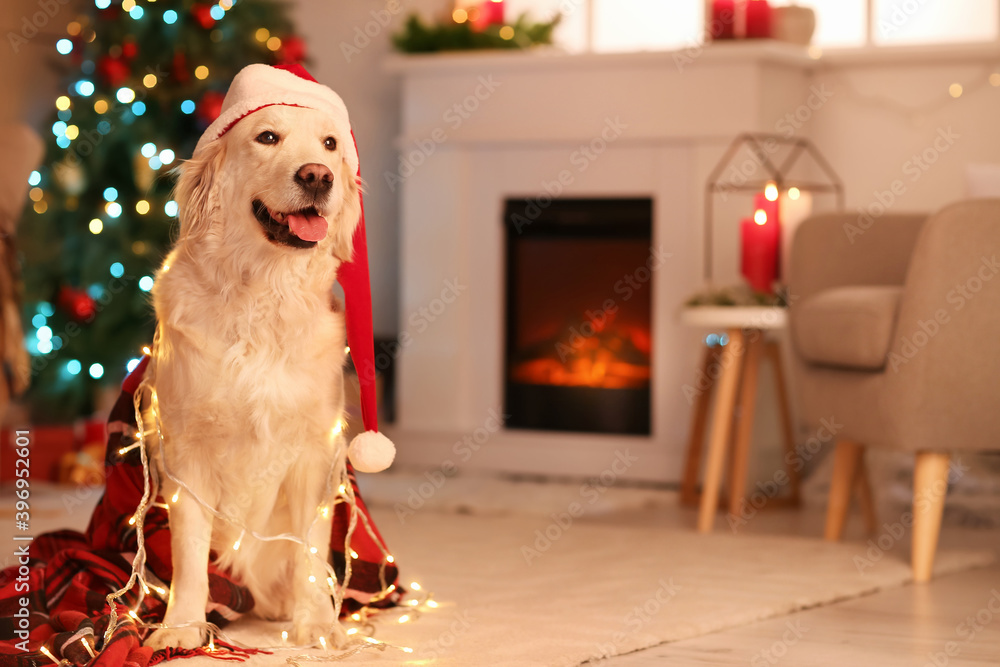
<point>313,550</point>
<point>284,636</point>
<point>759,216</point>
<point>145,350</point>
<point>312,579</point>
<point>404,618</point>
<point>390,559</point>
<point>236,545</point>
<point>175,497</point>
<point>131,521</point>
<point>352,631</point>
<point>406,649</point>
<point>322,641</point>
<point>96,226</point>
<point>771,192</point>
<point>793,193</point>
<point>131,612</point>
<point>414,585</point>
<point>354,554</point>
<point>355,617</point>
<point>432,604</point>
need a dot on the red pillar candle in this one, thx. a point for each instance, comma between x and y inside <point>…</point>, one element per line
<point>771,208</point>
<point>759,240</point>
<point>721,20</point>
<point>758,19</point>
<point>490,13</point>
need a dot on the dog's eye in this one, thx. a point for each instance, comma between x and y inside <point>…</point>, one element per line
<point>267,137</point>
<point>330,144</point>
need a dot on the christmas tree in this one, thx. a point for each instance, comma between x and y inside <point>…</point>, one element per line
<point>143,79</point>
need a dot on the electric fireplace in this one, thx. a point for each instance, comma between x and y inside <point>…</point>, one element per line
<point>578,315</point>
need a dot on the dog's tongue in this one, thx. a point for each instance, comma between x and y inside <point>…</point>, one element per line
<point>307,226</point>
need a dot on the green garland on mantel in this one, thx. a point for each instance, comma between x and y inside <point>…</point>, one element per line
<point>737,295</point>
<point>419,37</point>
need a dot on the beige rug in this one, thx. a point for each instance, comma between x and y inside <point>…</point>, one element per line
<point>591,591</point>
<point>526,589</point>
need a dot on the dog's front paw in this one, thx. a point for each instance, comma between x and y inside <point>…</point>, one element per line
<point>176,638</point>
<point>308,634</point>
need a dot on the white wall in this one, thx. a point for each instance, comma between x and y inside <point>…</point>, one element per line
<point>351,62</point>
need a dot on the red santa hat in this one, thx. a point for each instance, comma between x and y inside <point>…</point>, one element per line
<point>259,86</point>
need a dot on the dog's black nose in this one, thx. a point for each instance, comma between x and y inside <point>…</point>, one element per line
<point>314,178</point>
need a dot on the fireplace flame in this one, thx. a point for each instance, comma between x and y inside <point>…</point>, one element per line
<point>612,359</point>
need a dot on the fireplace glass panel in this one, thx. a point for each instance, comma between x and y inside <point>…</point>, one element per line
<point>579,344</point>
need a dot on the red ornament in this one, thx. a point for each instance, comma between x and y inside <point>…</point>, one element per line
<point>203,15</point>
<point>113,71</point>
<point>179,69</point>
<point>77,304</point>
<point>293,50</point>
<point>210,106</point>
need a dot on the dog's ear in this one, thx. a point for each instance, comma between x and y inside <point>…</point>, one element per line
<point>194,189</point>
<point>349,215</point>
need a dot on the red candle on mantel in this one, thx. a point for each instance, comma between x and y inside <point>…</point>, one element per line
<point>490,13</point>
<point>722,19</point>
<point>758,19</point>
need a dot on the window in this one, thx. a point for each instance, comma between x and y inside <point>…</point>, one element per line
<point>647,25</point>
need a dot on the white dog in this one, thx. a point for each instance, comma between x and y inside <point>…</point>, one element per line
<point>247,365</point>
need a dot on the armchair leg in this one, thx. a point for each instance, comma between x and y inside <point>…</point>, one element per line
<point>930,485</point>
<point>846,461</point>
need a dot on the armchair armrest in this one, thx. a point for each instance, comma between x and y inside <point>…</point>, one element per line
<point>835,250</point>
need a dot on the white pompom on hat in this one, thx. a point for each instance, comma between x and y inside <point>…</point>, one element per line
<point>254,88</point>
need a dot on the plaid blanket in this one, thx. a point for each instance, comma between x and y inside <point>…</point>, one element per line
<point>55,596</point>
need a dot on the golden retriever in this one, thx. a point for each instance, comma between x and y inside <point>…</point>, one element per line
<point>247,366</point>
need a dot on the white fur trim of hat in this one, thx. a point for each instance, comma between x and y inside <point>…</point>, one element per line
<point>259,86</point>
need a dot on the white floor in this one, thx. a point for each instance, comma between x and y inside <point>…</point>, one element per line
<point>953,621</point>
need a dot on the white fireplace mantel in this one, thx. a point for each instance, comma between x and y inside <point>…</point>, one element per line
<point>647,125</point>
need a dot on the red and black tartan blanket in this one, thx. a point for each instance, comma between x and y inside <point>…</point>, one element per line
<point>55,596</point>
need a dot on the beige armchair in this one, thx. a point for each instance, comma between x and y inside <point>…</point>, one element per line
<point>896,339</point>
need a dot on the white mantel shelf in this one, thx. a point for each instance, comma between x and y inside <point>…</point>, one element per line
<point>759,51</point>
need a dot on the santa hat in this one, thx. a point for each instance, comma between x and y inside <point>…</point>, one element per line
<point>259,86</point>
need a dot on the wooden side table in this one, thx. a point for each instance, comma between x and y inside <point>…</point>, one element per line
<point>735,388</point>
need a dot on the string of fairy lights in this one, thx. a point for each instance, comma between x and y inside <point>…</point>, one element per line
<point>359,637</point>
